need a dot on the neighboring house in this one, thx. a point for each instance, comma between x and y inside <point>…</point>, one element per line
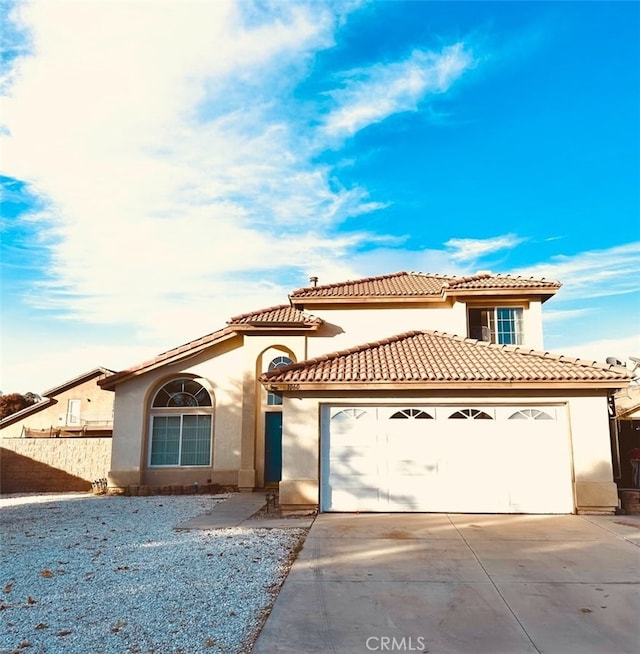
<point>61,443</point>
<point>404,392</point>
<point>627,402</point>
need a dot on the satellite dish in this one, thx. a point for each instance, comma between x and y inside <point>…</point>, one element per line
<point>613,361</point>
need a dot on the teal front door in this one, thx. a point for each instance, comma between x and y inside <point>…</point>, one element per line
<point>272,447</point>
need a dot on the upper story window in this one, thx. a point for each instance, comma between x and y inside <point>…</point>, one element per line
<point>274,399</point>
<point>502,325</point>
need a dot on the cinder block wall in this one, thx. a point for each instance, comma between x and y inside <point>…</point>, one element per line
<point>43,465</point>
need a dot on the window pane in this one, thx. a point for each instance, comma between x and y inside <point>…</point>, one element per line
<point>182,392</point>
<point>509,326</point>
<point>273,399</point>
<point>165,440</point>
<point>279,362</point>
<point>196,440</point>
<point>482,324</point>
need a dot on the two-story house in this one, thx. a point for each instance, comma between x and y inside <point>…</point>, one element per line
<point>404,392</point>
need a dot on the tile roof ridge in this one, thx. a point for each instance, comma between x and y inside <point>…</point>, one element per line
<point>351,282</point>
<point>455,279</point>
<point>525,277</point>
<point>277,307</point>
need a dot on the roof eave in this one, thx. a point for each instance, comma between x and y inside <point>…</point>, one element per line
<point>282,387</point>
<point>367,299</point>
<point>96,372</point>
<point>544,293</point>
<point>275,327</point>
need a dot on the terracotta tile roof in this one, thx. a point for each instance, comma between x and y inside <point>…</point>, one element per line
<point>428,357</point>
<point>283,314</point>
<point>397,284</point>
<point>404,284</point>
<point>489,281</point>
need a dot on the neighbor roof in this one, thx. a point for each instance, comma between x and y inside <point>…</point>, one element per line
<point>627,402</point>
<point>96,372</point>
<point>420,358</point>
<point>423,285</point>
<point>49,396</point>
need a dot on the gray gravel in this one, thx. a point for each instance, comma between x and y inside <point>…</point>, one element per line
<point>91,574</point>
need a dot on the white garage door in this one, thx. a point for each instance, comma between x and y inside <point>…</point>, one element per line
<point>467,459</point>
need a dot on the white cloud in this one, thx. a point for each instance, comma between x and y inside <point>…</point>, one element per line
<point>471,249</point>
<point>593,274</point>
<point>370,95</point>
<point>562,315</point>
<point>164,136</point>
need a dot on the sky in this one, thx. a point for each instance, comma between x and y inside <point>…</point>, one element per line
<point>166,164</point>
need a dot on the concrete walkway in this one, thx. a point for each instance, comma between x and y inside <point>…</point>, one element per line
<point>494,584</point>
<point>238,510</point>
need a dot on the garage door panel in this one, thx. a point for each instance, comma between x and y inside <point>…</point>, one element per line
<point>487,459</point>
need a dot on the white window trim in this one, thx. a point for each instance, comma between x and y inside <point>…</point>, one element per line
<point>494,309</point>
<point>172,413</point>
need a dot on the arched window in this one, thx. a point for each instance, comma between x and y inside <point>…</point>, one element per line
<point>530,414</point>
<point>416,414</point>
<point>181,425</point>
<point>349,414</point>
<point>274,399</point>
<point>470,414</point>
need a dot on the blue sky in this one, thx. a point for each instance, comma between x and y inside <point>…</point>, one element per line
<point>167,165</point>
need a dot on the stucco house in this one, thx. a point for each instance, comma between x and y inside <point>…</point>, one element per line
<point>402,392</point>
<point>63,442</point>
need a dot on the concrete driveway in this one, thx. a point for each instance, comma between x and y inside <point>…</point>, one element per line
<point>461,583</point>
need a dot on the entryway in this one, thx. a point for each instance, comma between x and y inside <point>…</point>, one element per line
<point>272,447</point>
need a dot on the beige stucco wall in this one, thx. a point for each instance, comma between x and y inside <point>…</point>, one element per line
<point>94,404</point>
<point>586,416</point>
<point>533,328</point>
<point>230,371</point>
<point>358,326</point>
<point>52,464</point>
<point>221,372</point>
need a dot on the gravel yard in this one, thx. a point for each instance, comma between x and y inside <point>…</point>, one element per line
<point>90,574</point>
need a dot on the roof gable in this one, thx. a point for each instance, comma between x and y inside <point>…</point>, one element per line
<point>421,358</point>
